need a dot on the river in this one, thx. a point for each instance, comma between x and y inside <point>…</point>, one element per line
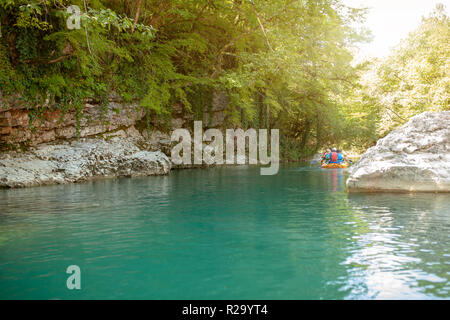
<point>224,233</point>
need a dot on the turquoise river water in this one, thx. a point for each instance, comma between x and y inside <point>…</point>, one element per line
<point>224,233</point>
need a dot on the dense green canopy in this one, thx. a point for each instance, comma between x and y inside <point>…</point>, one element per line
<point>415,78</point>
<point>284,64</point>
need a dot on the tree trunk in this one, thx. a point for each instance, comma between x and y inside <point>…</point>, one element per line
<point>318,132</point>
<point>136,16</point>
<point>305,135</point>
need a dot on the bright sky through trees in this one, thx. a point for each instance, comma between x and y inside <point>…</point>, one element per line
<point>392,20</point>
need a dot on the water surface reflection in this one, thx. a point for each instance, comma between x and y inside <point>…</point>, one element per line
<point>224,233</point>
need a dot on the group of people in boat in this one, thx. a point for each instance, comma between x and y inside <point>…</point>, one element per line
<point>333,156</point>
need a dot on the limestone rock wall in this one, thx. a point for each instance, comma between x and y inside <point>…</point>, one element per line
<point>16,125</point>
<point>107,142</point>
<point>19,125</point>
<point>217,115</point>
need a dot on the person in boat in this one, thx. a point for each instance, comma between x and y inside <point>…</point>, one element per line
<point>326,156</point>
<point>341,156</point>
<point>335,156</point>
<point>344,158</point>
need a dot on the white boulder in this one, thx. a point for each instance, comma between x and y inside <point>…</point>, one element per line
<point>80,160</point>
<point>412,158</point>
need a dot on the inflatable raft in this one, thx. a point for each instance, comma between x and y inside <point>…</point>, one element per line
<point>334,165</point>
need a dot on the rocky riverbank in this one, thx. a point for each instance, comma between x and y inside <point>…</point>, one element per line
<point>104,142</point>
<point>412,158</point>
<point>118,154</point>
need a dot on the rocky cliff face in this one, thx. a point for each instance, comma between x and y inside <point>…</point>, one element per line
<point>102,143</point>
<point>21,125</point>
<point>18,124</point>
<point>413,158</point>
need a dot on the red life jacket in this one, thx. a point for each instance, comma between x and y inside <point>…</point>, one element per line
<point>334,156</point>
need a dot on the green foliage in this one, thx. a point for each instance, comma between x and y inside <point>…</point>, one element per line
<point>284,64</point>
<point>10,80</point>
<point>415,77</point>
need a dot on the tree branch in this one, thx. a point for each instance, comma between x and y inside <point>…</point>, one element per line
<point>200,14</point>
<point>46,61</point>
<point>261,26</point>
<point>136,16</point>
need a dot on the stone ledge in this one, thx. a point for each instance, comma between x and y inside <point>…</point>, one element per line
<point>82,160</point>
